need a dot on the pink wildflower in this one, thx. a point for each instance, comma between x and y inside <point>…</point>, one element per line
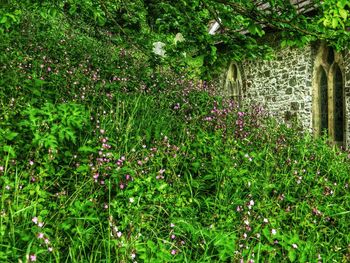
<point>35,220</point>
<point>32,257</point>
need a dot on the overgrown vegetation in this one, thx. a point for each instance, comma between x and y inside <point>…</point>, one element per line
<point>107,157</point>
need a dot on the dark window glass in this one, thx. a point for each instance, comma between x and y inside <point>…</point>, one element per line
<point>323,102</point>
<point>330,56</point>
<point>338,106</point>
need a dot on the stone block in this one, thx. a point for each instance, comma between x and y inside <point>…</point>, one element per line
<point>289,91</point>
<point>293,82</point>
<point>294,106</point>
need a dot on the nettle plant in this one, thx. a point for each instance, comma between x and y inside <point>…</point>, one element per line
<point>54,127</point>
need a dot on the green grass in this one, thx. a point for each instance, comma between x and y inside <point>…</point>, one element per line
<point>115,172</point>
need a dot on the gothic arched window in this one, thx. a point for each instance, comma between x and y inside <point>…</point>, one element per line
<point>329,104</point>
<point>233,83</point>
<point>338,97</point>
<point>323,103</point>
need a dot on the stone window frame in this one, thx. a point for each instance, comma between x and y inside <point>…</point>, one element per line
<point>233,85</point>
<point>323,62</point>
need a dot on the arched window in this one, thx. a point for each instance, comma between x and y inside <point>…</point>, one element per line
<point>338,105</point>
<point>233,82</point>
<point>328,97</point>
<point>323,103</point>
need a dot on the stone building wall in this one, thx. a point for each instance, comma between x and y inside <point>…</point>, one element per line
<point>289,87</point>
<point>283,86</point>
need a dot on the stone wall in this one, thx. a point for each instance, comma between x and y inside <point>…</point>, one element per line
<point>289,86</point>
<point>283,86</point>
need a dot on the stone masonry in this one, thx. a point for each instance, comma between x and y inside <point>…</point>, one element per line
<point>288,85</point>
<point>283,85</point>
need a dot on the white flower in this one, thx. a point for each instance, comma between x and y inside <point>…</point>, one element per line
<point>131,199</point>
<point>158,49</point>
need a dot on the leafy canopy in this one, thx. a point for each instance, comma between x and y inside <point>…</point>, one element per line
<point>242,24</point>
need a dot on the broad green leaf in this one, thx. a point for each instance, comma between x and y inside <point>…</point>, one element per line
<point>3,20</point>
<point>86,149</point>
<point>292,254</point>
<point>83,168</point>
<point>334,22</point>
<point>343,13</point>
<point>11,135</point>
<point>9,150</point>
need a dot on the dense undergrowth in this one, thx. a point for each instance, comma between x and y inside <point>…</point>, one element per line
<point>104,159</point>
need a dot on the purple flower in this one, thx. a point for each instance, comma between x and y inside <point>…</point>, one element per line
<point>32,258</point>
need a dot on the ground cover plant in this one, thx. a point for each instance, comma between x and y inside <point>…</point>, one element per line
<point>104,158</point>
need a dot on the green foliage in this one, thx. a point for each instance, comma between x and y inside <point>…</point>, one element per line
<point>335,14</point>
<point>235,185</point>
<point>9,19</point>
<point>53,125</point>
<point>108,155</point>
<point>243,25</point>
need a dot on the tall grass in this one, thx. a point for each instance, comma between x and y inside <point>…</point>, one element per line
<point>103,163</point>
